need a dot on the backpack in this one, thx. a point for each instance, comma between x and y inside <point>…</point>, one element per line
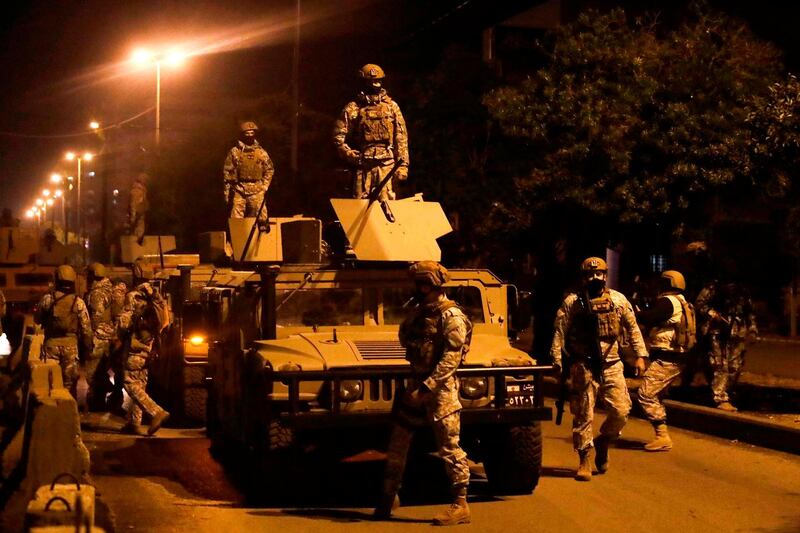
<point>686,332</point>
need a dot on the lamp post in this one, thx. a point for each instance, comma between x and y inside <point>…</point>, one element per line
<point>87,156</point>
<point>173,58</point>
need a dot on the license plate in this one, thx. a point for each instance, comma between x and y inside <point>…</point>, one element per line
<point>519,394</point>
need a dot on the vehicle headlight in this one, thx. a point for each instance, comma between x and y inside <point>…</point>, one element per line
<point>350,390</point>
<point>197,340</point>
<point>473,388</point>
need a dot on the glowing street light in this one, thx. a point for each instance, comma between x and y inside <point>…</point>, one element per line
<point>172,57</point>
<point>46,193</point>
<point>94,125</point>
<point>72,156</point>
<point>58,193</point>
<point>39,202</point>
<point>56,178</point>
<point>29,213</point>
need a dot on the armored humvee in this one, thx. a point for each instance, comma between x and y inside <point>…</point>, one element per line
<point>305,355</point>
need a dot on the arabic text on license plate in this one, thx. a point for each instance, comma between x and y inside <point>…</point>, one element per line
<point>519,394</point>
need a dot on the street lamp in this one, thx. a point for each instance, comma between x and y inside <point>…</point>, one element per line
<point>72,156</point>
<point>56,178</point>
<point>173,58</point>
<point>94,125</point>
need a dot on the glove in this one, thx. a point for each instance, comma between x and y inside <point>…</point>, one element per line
<point>639,366</point>
<point>353,157</point>
<point>418,397</point>
<point>401,173</point>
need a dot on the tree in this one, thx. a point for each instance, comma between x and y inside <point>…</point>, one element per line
<point>630,122</point>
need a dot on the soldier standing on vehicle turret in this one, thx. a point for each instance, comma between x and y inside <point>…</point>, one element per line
<point>589,327</point>
<point>370,135</point>
<point>436,335</point>
<point>67,327</point>
<point>248,173</point>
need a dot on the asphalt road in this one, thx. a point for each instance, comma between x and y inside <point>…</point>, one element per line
<point>171,483</point>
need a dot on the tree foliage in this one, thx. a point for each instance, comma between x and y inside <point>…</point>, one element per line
<point>634,122</point>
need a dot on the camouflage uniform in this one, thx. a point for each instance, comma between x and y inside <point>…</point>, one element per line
<point>728,319</point>
<point>137,208</point>
<point>436,336</point>
<point>248,173</point>
<point>64,317</point>
<point>139,327</point>
<point>100,311</point>
<point>579,331</point>
<point>370,134</point>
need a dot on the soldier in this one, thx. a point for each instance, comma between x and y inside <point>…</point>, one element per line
<point>728,321</point>
<point>100,301</point>
<point>142,320</point>
<point>589,327</point>
<point>436,335</point>
<point>137,207</point>
<point>248,173</point>
<point>65,320</point>
<point>370,135</point>
<point>672,336</point>
<point>2,310</point>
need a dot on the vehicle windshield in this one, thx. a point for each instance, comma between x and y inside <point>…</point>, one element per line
<point>469,298</point>
<point>321,307</point>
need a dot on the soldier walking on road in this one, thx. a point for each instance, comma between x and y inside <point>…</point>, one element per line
<point>589,327</point>
<point>100,302</point>
<point>436,335</point>
<point>370,135</point>
<point>248,173</point>
<point>143,319</point>
<point>728,322</point>
<point>67,328</point>
<point>672,336</point>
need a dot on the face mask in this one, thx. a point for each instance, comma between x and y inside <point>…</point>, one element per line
<point>595,286</point>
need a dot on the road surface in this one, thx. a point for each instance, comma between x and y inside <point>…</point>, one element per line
<point>171,483</point>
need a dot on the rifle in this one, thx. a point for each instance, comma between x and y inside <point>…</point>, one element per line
<point>563,386</point>
<point>253,228</point>
<point>376,191</point>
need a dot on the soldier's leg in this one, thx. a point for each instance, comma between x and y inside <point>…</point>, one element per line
<point>253,202</point>
<point>583,394</point>
<point>736,352</point>
<point>90,366</point>
<point>655,383</point>
<point>138,228</point>
<point>616,399</point>
<point>238,204</point>
<point>719,383</point>
<point>136,387</point>
<point>447,432</point>
<point>68,356</point>
<point>378,174</point>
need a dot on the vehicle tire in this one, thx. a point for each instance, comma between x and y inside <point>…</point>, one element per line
<point>512,458</point>
<point>281,437</point>
<point>194,404</point>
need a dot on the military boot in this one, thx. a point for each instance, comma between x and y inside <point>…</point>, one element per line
<point>157,421</point>
<point>601,454</point>
<point>727,406</point>
<point>584,472</point>
<point>662,442</point>
<point>388,504</point>
<point>457,513</point>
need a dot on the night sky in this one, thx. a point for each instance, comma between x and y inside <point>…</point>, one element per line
<point>64,63</point>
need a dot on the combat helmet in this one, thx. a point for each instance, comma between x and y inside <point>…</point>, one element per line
<point>594,264</point>
<point>429,272</point>
<point>370,72</point>
<point>248,125</point>
<point>65,275</point>
<point>97,270</point>
<point>673,280</point>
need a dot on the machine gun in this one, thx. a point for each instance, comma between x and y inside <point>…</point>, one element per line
<point>563,386</point>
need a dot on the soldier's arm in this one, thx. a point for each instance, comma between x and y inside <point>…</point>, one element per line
<point>561,327</point>
<point>401,142</point>
<point>44,307</point>
<point>704,303</point>
<point>340,130</point>
<point>229,170</point>
<point>455,335</point>
<point>268,170</point>
<point>84,323</point>
<point>629,323</point>
<point>98,304</point>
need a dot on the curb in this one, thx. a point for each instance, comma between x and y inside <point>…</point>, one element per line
<point>734,426</point>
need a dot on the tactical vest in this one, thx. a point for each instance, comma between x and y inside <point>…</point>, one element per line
<point>664,335</point>
<point>375,124</point>
<point>250,165</point>
<point>596,319</point>
<point>424,340</point>
<point>62,321</point>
